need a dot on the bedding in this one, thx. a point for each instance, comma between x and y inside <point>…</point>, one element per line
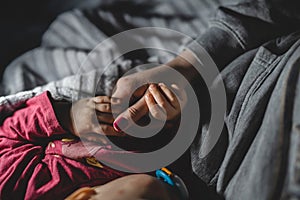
<point>54,66</point>
<point>256,156</point>
<point>65,45</point>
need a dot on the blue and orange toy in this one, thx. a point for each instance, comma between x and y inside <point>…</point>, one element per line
<point>175,181</point>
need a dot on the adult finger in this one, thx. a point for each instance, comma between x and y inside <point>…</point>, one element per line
<point>127,88</point>
<point>131,115</point>
<point>180,93</point>
<point>154,109</point>
<point>169,95</point>
<point>160,98</point>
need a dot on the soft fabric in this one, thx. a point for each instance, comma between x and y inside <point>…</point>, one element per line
<point>257,156</point>
<point>37,162</point>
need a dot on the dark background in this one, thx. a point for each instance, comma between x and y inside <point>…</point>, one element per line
<point>22,23</point>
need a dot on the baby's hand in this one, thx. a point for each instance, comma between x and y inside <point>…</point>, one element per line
<point>92,116</point>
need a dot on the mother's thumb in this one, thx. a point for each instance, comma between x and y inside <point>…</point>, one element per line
<point>131,115</point>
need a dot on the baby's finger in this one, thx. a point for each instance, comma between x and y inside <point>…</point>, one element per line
<point>105,99</point>
<point>169,95</point>
<point>101,99</point>
<point>180,93</point>
<point>103,107</point>
<point>154,109</point>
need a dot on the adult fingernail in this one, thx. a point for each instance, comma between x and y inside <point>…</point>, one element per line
<point>120,124</point>
<point>152,87</point>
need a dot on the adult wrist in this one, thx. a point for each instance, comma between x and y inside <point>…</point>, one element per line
<point>184,63</point>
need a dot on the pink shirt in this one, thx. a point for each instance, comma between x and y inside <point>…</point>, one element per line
<point>36,163</point>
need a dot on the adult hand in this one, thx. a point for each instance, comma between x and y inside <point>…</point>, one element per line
<point>159,101</point>
<point>135,85</point>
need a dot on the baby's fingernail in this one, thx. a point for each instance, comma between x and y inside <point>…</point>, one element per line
<point>97,99</point>
<point>161,84</point>
<point>120,124</point>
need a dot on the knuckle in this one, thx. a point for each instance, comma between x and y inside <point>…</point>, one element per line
<point>163,104</point>
<point>132,111</point>
<point>156,115</point>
